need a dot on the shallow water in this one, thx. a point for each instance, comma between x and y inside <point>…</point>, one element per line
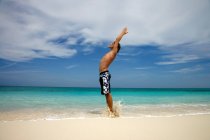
<point>32,103</point>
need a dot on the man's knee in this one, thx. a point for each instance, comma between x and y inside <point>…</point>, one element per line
<point>108,94</point>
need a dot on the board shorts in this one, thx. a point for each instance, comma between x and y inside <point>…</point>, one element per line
<point>104,79</point>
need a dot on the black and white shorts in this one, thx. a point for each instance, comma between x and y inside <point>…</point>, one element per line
<point>105,82</point>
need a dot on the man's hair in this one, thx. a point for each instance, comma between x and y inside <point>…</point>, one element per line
<point>118,47</point>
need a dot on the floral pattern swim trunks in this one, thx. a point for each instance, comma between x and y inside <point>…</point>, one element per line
<point>105,82</point>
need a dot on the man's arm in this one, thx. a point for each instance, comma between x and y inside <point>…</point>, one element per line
<point>123,32</point>
<point>119,37</point>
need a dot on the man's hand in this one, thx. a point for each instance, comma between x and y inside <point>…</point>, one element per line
<point>119,37</point>
<point>125,30</point>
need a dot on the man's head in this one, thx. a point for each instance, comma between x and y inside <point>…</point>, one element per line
<point>118,46</point>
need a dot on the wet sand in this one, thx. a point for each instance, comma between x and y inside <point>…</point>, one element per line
<point>145,128</point>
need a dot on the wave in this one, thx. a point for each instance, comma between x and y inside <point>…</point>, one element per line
<point>123,110</point>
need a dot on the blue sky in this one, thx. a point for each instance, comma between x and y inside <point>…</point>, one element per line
<point>60,42</point>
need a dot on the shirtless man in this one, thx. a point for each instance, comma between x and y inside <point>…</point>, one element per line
<point>103,68</point>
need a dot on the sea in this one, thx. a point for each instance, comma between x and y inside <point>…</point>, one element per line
<point>58,103</point>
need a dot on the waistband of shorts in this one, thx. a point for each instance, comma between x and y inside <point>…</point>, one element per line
<point>103,72</point>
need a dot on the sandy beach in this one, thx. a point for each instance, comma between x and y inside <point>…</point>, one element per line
<point>146,128</point>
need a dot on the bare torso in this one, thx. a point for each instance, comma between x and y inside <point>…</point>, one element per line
<point>107,60</point>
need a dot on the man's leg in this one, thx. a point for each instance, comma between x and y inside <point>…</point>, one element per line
<point>109,101</point>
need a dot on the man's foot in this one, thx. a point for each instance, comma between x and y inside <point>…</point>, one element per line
<point>113,114</point>
<point>117,108</point>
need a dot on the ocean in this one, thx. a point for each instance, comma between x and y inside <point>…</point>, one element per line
<point>55,103</point>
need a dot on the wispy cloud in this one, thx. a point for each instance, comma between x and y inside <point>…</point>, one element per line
<point>20,71</point>
<point>188,70</point>
<point>7,65</point>
<point>88,50</point>
<point>71,66</point>
<point>143,68</point>
<point>122,59</point>
<point>177,59</point>
<point>130,54</point>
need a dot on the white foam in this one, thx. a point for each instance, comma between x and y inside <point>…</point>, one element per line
<point>121,110</point>
<point>117,108</point>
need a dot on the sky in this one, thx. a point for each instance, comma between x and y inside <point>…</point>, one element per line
<point>61,42</point>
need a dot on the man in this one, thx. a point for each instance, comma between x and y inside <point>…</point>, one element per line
<point>104,72</point>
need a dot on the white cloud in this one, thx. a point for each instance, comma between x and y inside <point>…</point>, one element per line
<point>143,68</point>
<point>130,54</point>
<point>27,26</point>
<point>163,22</point>
<point>71,66</point>
<point>188,70</point>
<point>25,33</point>
<point>122,59</point>
<point>185,53</point>
<point>7,65</point>
<point>177,59</point>
<point>20,71</point>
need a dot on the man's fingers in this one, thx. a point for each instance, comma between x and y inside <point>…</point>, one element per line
<point>125,30</point>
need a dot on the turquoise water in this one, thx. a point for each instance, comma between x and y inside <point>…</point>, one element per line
<point>60,103</point>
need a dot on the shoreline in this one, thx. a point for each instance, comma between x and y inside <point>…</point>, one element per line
<point>53,118</point>
<point>194,127</point>
<point>138,111</point>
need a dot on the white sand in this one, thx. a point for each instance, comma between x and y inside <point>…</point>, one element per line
<point>145,128</point>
